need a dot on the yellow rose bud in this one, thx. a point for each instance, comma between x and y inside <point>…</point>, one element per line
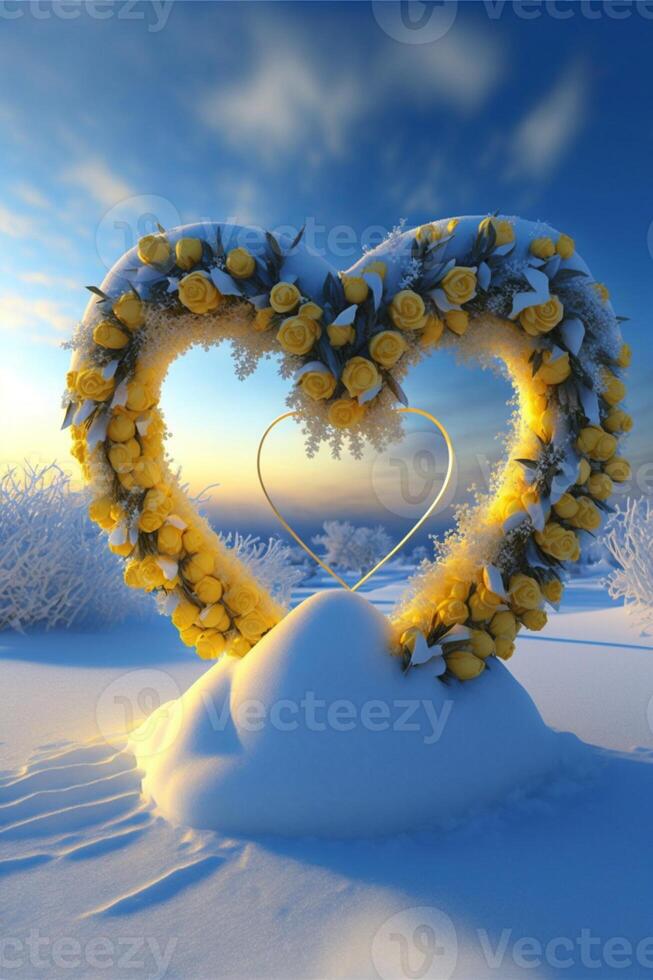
<point>433,329</point>
<point>504,623</point>
<point>618,421</point>
<point>154,249</point>
<point>198,566</point>
<point>185,614</point>
<point>209,589</point>
<point>263,319</point>
<point>553,590</point>
<point>457,321</point>
<point>139,397</point>
<point>150,521</point>
<point>625,356</point>
<point>614,390</point>
<point>158,500</point>
<point>452,224</point>
<point>99,511</point>
<point>503,230</point>
<point>169,540</point>
<point>588,516</point>
<point>124,550</point>
<point>459,284</point>
<point>133,448</point>
<point>360,375</point>
<point>318,384</point>
<point>566,507</point>
<point>146,472</point>
<point>482,644</point>
<point>428,233</point>
<point>409,638</point>
<point>240,263</point>
<point>602,291</point>
<point>107,335</point>
<point>356,289</point>
<point>459,590</point>
<point>345,412</point>
<point>387,347</point>
<point>584,470</point>
<point>542,248</point>
<point>534,619</point>
<point>339,335</point>
<point>190,636</point>
<point>504,647</point>
<point>407,310</point>
<point>479,610</point>
<point>193,540</point>
<point>252,625</point>
<point>284,297</point>
<point>452,612</point>
<point>215,617</point>
<point>525,591</point>
<point>600,486</point>
<point>132,575</point>
<point>198,294</point>
<point>565,247</point>
<point>242,598</point>
<point>120,458</point>
<point>378,267</point>
<point>92,385</point>
<point>129,309</point>
<point>464,665</point>
<point>618,469</point>
<point>543,317</point>
<point>238,646</point>
<point>121,428</point>
<point>297,334</point>
<point>554,372</point>
<point>188,252</point>
<point>311,310</point>
<point>594,442</point>
<point>127,480</point>
<point>210,644</point>
<point>558,542</point>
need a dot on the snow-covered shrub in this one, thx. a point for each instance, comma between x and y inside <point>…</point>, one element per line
<point>629,539</point>
<point>352,549</point>
<point>55,567</point>
<point>272,562</point>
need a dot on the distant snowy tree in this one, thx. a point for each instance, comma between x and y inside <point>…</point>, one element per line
<point>352,549</point>
<point>629,539</point>
<point>55,567</point>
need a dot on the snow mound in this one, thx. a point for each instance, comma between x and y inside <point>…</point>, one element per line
<point>318,732</point>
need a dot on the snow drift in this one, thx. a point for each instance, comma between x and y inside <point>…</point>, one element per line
<point>318,732</point>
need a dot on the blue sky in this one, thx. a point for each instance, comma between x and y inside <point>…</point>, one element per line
<point>278,113</point>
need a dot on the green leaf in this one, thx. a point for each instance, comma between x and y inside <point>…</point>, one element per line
<point>97,292</point>
<point>297,239</point>
<point>530,464</point>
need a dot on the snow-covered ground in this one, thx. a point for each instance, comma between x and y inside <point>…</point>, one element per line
<point>94,882</point>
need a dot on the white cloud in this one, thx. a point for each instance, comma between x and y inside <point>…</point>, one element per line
<point>544,135</point>
<point>20,313</point>
<point>51,282</point>
<point>95,177</point>
<point>16,225</point>
<point>31,195</point>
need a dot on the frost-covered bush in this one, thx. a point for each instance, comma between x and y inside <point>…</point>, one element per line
<point>272,562</point>
<point>352,549</point>
<point>55,567</point>
<point>629,539</point>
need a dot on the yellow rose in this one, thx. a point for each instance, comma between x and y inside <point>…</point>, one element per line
<point>139,397</point>
<point>238,646</point>
<point>154,249</point>
<point>132,575</point>
<point>482,643</point>
<point>185,614</point>
<point>618,421</point>
<point>553,590</point>
<point>558,542</point>
<point>452,224</point>
<point>452,612</point>
<point>504,647</point>
<point>242,598</point>
<point>525,591</point>
<point>90,384</point>
<point>193,541</point>
<point>504,623</point>
<point>107,335</point>
<point>432,331</point>
<point>150,521</point>
<point>345,412</point>
<point>127,481</point>
<point>534,619</point>
<point>588,516</point>
<point>554,372</point>
<point>407,310</point>
<point>120,458</point>
<point>263,319</point>
<point>602,291</point>
<point>584,470</point>
<point>459,284</point>
<point>356,289</point>
<point>458,589</point>
<point>503,230</point>
<point>158,500</point>
<point>565,247</point>
<point>318,384</point>
<point>428,233</point>
<point>566,507</point>
<point>594,442</point>
<point>215,617</point>
<point>464,665</point>
<point>121,428</point>
<point>210,644</point>
<point>124,550</point>
<point>614,390</point>
<point>543,317</point>
<point>284,297</point>
<point>360,375</point>
<point>600,486</point>
<point>252,625</point>
<point>168,540</point>
<point>128,308</point>
<point>100,512</point>
<point>151,573</point>
<point>209,589</point>
<point>618,469</point>
<point>190,636</point>
<point>240,263</point>
<point>202,563</point>
<point>311,310</point>
<point>457,321</point>
<point>625,356</point>
<point>146,473</point>
<point>479,610</point>
<point>339,335</point>
<point>188,252</point>
<point>378,267</point>
<point>542,248</point>
<point>297,334</point>
<point>198,294</point>
<point>387,347</point>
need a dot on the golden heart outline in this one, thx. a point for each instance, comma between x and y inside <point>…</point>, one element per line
<point>413,530</point>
